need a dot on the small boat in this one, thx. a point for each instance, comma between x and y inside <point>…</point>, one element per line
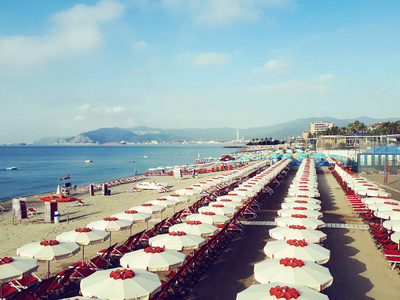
<point>88,161</point>
<point>11,168</point>
<point>145,156</point>
<point>58,199</point>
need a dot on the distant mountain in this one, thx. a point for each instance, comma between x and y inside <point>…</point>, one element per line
<point>142,134</point>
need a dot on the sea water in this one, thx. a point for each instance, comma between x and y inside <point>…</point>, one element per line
<point>39,167</point>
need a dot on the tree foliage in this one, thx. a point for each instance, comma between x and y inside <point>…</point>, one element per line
<point>359,127</point>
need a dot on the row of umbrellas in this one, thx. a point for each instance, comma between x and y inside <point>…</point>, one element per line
<point>360,185</point>
<point>293,265</point>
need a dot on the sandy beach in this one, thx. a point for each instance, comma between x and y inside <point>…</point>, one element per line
<point>97,207</point>
<point>359,269</point>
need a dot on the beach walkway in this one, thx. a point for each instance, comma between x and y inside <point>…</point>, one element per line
<point>359,269</point>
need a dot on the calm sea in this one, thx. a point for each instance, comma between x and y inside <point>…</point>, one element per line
<point>39,167</point>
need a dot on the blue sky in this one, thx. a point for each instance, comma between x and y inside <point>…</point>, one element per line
<point>67,66</point>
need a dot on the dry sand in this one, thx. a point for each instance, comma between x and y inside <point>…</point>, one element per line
<point>358,267</point>
<point>97,207</point>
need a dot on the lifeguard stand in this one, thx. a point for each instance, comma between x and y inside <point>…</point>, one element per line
<point>66,188</point>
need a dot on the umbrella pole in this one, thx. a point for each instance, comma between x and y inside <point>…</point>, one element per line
<point>48,269</point>
<point>83,255</point>
<point>110,238</point>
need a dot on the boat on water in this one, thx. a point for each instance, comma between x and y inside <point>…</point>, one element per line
<point>145,156</point>
<point>88,161</point>
<point>61,198</point>
<point>11,168</point>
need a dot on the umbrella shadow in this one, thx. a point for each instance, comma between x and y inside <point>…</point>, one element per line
<point>348,282</point>
<point>233,271</point>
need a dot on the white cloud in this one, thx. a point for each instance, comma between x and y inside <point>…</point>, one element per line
<point>206,58</point>
<point>140,45</point>
<point>116,109</point>
<point>72,32</point>
<point>213,13</point>
<point>79,118</point>
<point>84,107</point>
<point>272,65</point>
<point>326,77</point>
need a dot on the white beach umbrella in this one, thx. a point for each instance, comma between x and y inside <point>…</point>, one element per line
<point>304,185</point>
<point>243,197</point>
<point>163,202</point>
<point>358,186</point>
<point>111,224</point>
<point>244,192</point>
<point>213,181</point>
<point>373,200</point>
<point>300,220</point>
<point>276,290</point>
<point>302,200</point>
<point>233,198</point>
<point>395,237</point>
<point>188,191</point>
<point>302,188</point>
<point>291,205</point>
<point>153,259</point>
<point>177,241</point>
<point>118,283</point>
<point>297,248</point>
<point>209,218</point>
<point>133,215</point>
<point>392,225</point>
<point>206,183</point>
<point>310,213</point>
<point>303,192</point>
<point>218,209</point>
<point>149,208</point>
<point>84,237</point>
<point>384,206</point>
<point>297,233</point>
<point>12,268</point>
<point>393,214</point>
<point>253,188</point>
<point>228,203</point>
<point>373,192</point>
<point>176,197</point>
<point>48,250</point>
<point>202,187</point>
<point>293,271</point>
<point>195,227</point>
